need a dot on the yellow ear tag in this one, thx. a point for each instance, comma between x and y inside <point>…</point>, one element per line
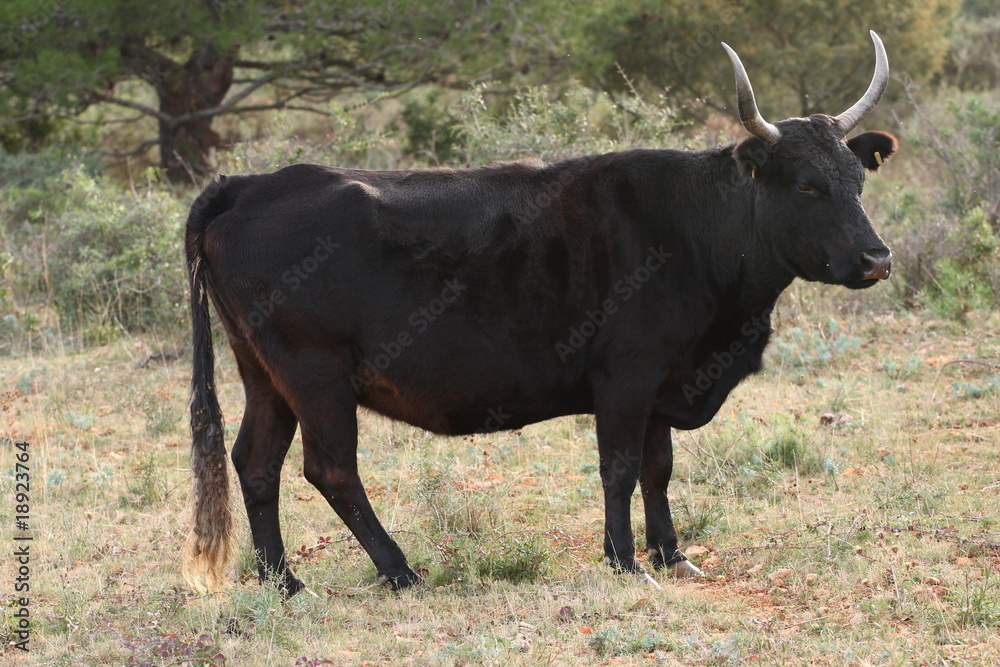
<point>753,171</point>
<point>878,158</point>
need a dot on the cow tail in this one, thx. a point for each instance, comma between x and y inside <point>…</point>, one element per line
<point>210,541</point>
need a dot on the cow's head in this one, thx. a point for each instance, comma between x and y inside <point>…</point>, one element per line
<point>808,180</point>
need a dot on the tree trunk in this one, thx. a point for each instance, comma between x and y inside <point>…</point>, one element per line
<point>199,84</point>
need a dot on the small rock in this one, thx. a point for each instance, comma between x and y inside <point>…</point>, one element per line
<point>521,644</point>
<point>835,419</point>
<point>711,562</point>
<point>778,576</point>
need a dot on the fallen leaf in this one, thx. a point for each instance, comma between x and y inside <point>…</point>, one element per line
<point>302,495</point>
<point>585,630</point>
<point>695,550</point>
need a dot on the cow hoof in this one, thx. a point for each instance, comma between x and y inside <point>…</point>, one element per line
<point>400,582</point>
<point>624,567</point>
<point>685,568</point>
<point>293,586</point>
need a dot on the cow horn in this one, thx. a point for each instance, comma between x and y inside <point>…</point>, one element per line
<point>850,118</point>
<point>749,115</point>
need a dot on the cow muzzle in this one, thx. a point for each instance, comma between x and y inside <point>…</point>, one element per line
<point>876,264</point>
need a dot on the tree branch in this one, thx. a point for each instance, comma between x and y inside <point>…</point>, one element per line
<point>227,106</point>
<point>149,111</point>
<point>140,149</point>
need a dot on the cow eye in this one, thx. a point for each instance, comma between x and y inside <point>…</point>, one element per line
<point>807,189</point>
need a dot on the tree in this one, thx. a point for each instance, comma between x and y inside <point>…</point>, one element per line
<point>206,58</point>
<point>802,56</point>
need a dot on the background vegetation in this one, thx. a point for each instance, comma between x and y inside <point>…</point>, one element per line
<point>846,499</point>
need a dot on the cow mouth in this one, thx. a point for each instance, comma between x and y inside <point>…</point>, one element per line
<point>861,284</point>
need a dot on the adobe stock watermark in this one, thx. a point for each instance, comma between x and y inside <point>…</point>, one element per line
<point>625,289</point>
<point>547,195</point>
<point>31,24</point>
<point>291,280</point>
<point>539,202</point>
<point>709,373</point>
<point>419,321</point>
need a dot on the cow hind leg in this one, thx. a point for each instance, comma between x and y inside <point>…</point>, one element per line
<point>265,434</point>
<point>330,443</point>
<point>654,477</point>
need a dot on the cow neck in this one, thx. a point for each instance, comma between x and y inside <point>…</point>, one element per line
<point>741,266</point>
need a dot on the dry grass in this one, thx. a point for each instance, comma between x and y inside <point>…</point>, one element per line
<point>874,541</point>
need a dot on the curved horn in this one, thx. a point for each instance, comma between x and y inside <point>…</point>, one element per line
<point>850,118</point>
<point>749,115</point>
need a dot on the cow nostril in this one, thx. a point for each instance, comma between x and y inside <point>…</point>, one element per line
<point>876,267</point>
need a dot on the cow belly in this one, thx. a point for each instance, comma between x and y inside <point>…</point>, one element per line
<point>457,413</point>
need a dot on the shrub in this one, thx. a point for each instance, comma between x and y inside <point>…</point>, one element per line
<point>538,124</point>
<point>116,259</point>
<point>822,347</point>
<point>104,258</point>
<point>949,253</point>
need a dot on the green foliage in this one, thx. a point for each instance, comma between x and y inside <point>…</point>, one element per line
<point>822,347</point>
<point>694,520</point>
<point>206,59</point>
<point>431,132</point>
<point>746,456</point>
<point>538,123</point>
<point>989,387</point>
<point>973,59</point>
<point>949,251</point>
<point>104,258</point>
<point>630,640</point>
<point>145,486</point>
<point>801,68</point>
<point>977,601</point>
<point>115,257</point>
<point>516,558</point>
<point>160,411</point>
<point>903,370</point>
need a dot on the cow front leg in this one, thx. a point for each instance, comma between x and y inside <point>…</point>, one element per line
<point>654,477</point>
<point>258,453</point>
<point>619,441</point>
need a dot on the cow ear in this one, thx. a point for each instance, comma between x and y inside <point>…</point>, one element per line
<point>754,157</point>
<point>873,148</point>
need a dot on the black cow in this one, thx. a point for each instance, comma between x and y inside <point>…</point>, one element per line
<point>635,286</point>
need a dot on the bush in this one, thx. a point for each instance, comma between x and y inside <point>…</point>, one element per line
<point>103,258</point>
<point>949,251</point>
<point>538,124</point>
<point>115,257</point>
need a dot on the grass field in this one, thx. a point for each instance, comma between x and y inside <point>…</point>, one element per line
<point>844,505</point>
